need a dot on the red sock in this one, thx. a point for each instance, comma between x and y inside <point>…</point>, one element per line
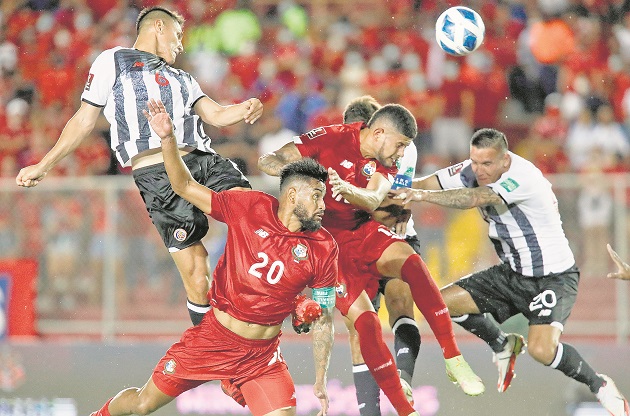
<point>380,361</point>
<point>104,411</point>
<point>429,301</point>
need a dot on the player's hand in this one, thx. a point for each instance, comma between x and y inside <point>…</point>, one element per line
<point>159,119</point>
<point>254,110</point>
<point>407,194</point>
<point>319,389</point>
<point>337,185</point>
<point>623,269</point>
<point>234,392</point>
<point>30,176</point>
<point>401,223</point>
<point>305,312</point>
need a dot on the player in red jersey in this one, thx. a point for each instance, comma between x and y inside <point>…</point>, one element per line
<point>274,249</point>
<point>361,159</point>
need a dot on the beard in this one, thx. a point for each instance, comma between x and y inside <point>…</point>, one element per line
<point>311,223</point>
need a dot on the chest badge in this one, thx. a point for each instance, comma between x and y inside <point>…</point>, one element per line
<point>369,169</point>
<point>300,252</point>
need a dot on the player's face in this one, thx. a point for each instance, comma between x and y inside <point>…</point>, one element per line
<point>310,207</point>
<point>393,145</point>
<point>170,41</point>
<point>488,164</point>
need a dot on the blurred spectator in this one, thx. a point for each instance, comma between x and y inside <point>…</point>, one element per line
<point>595,209</point>
<point>15,129</point>
<point>580,140</point>
<point>609,136</point>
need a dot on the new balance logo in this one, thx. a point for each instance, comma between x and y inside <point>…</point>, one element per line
<point>402,351</point>
<point>347,164</point>
<point>262,233</point>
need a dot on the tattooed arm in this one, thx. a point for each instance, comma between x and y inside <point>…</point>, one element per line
<point>460,198</point>
<point>323,331</point>
<point>272,163</point>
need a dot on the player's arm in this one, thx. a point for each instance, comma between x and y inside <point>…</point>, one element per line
<point>460,198</point>
<point>368,198</point>
<point>76,129</point>
<point>272,163</point>
<point>429,182</point>
<point>182,182</point>
<point>219,115</point>
<point>623,269</point>
<point>323,336</point>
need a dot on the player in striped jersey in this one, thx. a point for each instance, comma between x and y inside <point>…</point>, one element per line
<point>537,275</point>
<point>120,81</point>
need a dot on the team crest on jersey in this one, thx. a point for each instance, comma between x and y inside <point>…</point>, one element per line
<point>341,291</point>
<point>319,131</point>
<point>159,78</point>
<point>455,169</point>
<point>88,83</point>
<point>509,184</point>
<point>369,169</point>
<point>169,367</point>
<point>299,252</point>
<point>180,234</point>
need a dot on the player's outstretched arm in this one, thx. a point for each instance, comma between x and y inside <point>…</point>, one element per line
<point>272,163</point>
<point>76,129</point>
<point>225,115</point>
<point>623,269</point>
<point>182,182</point>
<point>460,198</point>
<point>323,337</point>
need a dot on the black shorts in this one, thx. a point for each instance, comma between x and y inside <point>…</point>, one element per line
<point>376,300</point>
<point>504,293</point>
<point>179,223</point>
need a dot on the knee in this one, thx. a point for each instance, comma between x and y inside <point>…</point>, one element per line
<point>398,299</point>
<point>544,352</point>
<point>144,405</point>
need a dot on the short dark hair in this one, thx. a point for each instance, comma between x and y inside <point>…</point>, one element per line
<point>487,137</point>
<point>399,116</point>
<point>305,169</point>
<point>156,9</point>
<point>360,109</point>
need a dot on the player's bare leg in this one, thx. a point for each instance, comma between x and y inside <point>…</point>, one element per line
<point>286,411</point>
<point>135,401</point>
<point>400,261</point>
<point>192,263</point>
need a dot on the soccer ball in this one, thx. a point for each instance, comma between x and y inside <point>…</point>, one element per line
<point>459,30</point>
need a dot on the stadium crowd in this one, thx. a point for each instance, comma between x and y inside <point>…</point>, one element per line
<point>553,74</point>
<point>565,100</point>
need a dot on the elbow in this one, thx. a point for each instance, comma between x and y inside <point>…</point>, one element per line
<point>180,188</point>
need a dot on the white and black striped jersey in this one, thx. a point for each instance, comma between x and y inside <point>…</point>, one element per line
<point>122,80</point>
<point>404,177</point>
<point>526,231</point>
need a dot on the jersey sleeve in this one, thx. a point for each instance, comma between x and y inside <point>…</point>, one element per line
<point>196,93</point>
<point>513,188</point>
<point>326,275</point>
<point>455,176</point>
<point>310,144</point>
<point>100,80</point>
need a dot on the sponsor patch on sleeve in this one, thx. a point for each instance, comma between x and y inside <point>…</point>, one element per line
<point>455,169</point>
<point>509,184</point>
<point>319,131</point>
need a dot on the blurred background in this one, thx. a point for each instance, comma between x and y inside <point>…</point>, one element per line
<point>81,266</point>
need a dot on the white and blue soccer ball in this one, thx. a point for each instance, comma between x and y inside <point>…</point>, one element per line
<point>459,30</point>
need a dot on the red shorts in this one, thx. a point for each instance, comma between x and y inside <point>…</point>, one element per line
<point>359,251</point>
<point>210,351</point>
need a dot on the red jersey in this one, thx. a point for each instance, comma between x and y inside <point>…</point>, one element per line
<point>265,265</point>
<point>338,147</point>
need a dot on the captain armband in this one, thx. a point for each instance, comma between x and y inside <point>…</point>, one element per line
<point>325,296</point>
